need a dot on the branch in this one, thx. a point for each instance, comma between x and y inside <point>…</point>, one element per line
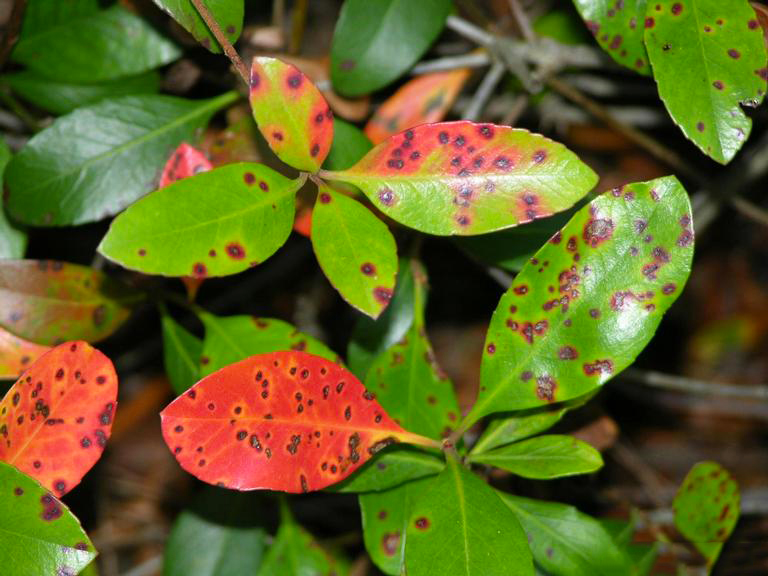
<point>522,20</point>
<point>229,50</point>
<point>695,386</point>
<point>12,30</point>
<point>484,91</point>
<point>471,60</point>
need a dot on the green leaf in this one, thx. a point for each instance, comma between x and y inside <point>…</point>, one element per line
<point>212,224</point>
<point>62,97</point>
<point>355,250</point>
<point>565,542</point>
<point>217,536</point>
<point>465,178</point>
<point>389,468</point>
<point>707,508</point>
<point>460,527</point>
<point>618,28</point>
<point>95,47</point>
<point>181,354</point>
<point>227,13</point>
<point>589,301</point>
<point>38,534</point>
<point>97,160</point>
<point>562,26</point>
<point>708,56</point>
<point>233,338</point>
<point>349,145</point>
<point>376,42</point>
<point>42,15</point>
<point>544,457</point>
<point>13,241</point>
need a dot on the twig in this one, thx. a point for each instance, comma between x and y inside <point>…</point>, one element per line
<point>471,60</point>
<point>516,110</point>
<point>12,30</point>
<point>484,91</point>
<point>746,208</point>
<point>469,31</point>
<point>229,50</point>
<point>694,386</point>
<point>522,20</point>
<point>647,476</point>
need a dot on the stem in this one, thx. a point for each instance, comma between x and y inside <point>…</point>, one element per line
<point>484,91</point>
<point>522,20</point>
<point>419,440</point>
<point>693,386</point>
<point>751,211</point>
<point>471,60</point>
<point>223,41</point>
<point>18,109</point>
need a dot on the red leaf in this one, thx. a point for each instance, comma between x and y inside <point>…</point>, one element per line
<point>55,420</point>
<point>286,421</point>
<point>185,161</point>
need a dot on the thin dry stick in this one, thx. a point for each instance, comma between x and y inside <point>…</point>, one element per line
<point>522,20</point>
<point>229,50</point>
<point>694,386</point>
<point>746,208</point>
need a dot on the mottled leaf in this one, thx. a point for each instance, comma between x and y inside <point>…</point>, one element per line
<point>292,115</point>
<point>707,508</point>
<point>227,13</point>
<point>185,162</point>
<point>376,42</point>
<point>286,421</point>
<point>708,56</point>
<point>181,355</point>
<point>56,419</point>
<point>16,354</point>
<point>13,241</point>
<point>465,178</point>
<point>97,160</point>
<point>48,302</point>
<point>389,468</point>
<point>349,145</point>
<point>38,534</point>
<point>588,302</point>
<point>212,224</point>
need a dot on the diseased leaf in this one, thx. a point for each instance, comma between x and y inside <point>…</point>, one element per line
<point>97,160</point>
<point>13,241</point>
<point>707,508</point>
<point>227,13</point>
<point>212,224</point>
<point>355,250</point>
<point>37,532</point>
<point>349,145</point>
<point>181,355</point>
<point>587,303</point>
<point>16,354</point>
<point>48,302</point>
<point>389,468</point>
<point>301,423</point>
<point>292,115</point>
<point>466,178</point>
<point>56,419</point>
<point>376,42</point>
<point>708,56</point>
<point>185,162</point>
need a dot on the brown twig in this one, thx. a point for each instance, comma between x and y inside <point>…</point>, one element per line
<point>694,386</point>
<point>229,50</point>
<point>12,30</point>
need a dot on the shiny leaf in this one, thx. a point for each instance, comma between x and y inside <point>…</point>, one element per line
<point>13,241</point>
<point>349,145</point>
<point>42,15</point>
<point>389,468</point>
<point>16,354</point>
<point>507,429</point>
<point>181,355</point>
<point>185,162</point>
<point>465,178</point>
<point>227,13</point>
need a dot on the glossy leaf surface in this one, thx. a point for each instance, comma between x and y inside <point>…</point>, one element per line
<point>390,468</point>
<point>181,354</point>
<point>566,542</point>
<point>37,532</point>
<point>16,354</point>
<point>349,145</point>
<point>355,250</point>
<point>544,457</point>
<point>212,224</point>
<point>13,241</point>
<point>56,419</point>
<point>708,56</point>
<point>292,115</point>
<point>185,162</point>
<point>591,298</point>
<point>94,162</point>
<point>40,15</point>
<point>707,508</point>
<point>286,421</point>
<point>465,178</point>
<point>48,302</point>
<point>376,42</point>
<point>227,13</point>
<point>507,429</point>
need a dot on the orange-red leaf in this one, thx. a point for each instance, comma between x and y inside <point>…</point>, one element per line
<point>55,420</point>
<point>16,354</point>
<point>286,421</point>
<point>185,161</point>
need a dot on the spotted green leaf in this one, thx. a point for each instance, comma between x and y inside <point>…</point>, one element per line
<point>618,28</point>
<point>376,42</point>
<point>181,354</point>
<point>212,224</point>
<point>590,299</point>
<point>708,56</point>
<point>227,13</point>
<point>389,468</point>
<point>13,241</point>
<point>38,534</point>
<point>465,178</point>
<point>707,508</point>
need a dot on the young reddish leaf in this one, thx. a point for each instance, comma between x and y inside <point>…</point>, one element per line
<point>286,421</point>
<point>48,301</point>
<point>291,113</point>
<point>185,161</point>
<point>465,178</point>
<point>16,354</point>
<point>423,100</point>
<point>55,420</point>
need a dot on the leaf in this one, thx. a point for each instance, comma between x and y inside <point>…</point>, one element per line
<point>227,13</point>
<point>13,241</point>
<point>48,301</point>
<point>286,421</point>
<point>460,525</point>
<point>507,429</point>
<point>708,56</point>
<point>566,542</point>
<point>229,339</point>
<point>544,457</point>
<point>62,97</point>
<point>390,468</point>
<point>618,28</point>
<point>97,160</point>
<point>56,419</point>
<point>349,145</point>
<point>465,178</point>
<point>422,100</point>
<point>16,354</point>
<point>42,15</point>
<point>589,301</point>
<point>707,508</point>
<point>96,47</point>
<point>376,42</point>
<point>185,162</point>
<point>292,115</point>
<point>212,224</point>
<point>37,532</point>
<point>355,250</point>
<point>181,354</point>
